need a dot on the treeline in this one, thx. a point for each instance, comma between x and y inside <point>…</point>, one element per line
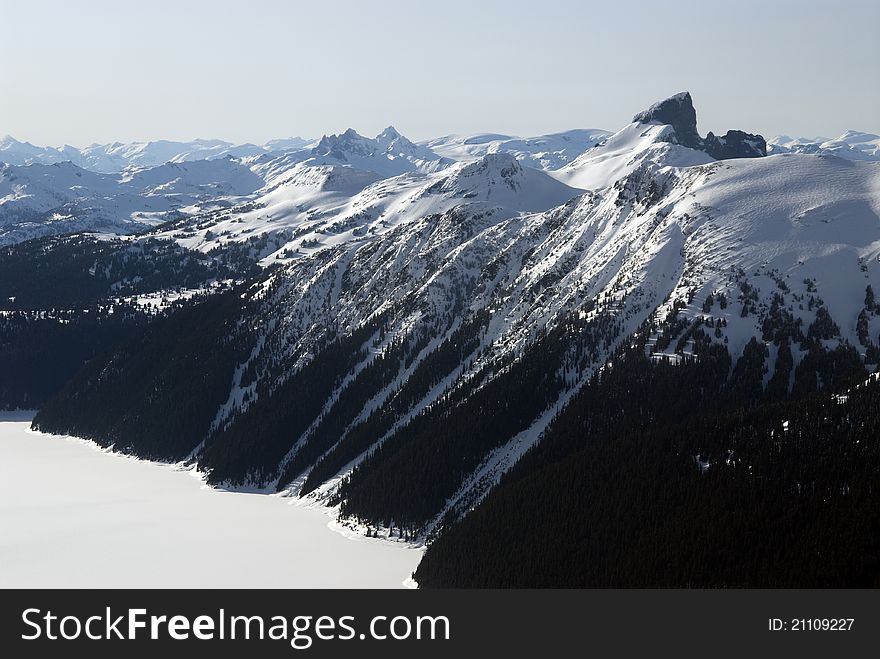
<point>307,423</point>
<point>78,271</point>
<point>405,482</point>
<point>67,300</point>
<point>158,393</point>
<point>438,365</point>
<point>370,381</point>
<point>661,475</point>
<point>252,447</point>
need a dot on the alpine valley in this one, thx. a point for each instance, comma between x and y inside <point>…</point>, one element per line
<point>644,358</point>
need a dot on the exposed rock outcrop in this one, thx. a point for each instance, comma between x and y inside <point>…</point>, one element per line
<point>735,144</point>
<point>678,111</point>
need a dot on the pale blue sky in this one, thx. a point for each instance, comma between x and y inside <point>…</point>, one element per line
<point>86,71</point>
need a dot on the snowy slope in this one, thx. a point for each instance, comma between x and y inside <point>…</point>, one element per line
<point>664,135</point>
<point>310,207</point>
<point>657,240</point>
<point>628,149</point>
<point>500,179</point>
<point>542,152</point>
<point>201,177</point>
<point>303,189</point>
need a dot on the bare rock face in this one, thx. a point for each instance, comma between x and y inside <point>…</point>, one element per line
<point>678,111</point>
<point>735,144</point>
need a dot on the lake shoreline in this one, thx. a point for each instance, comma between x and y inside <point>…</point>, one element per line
<point>170,529</point>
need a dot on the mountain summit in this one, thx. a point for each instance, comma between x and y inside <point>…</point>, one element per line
<point>388,154</point>
<point>678,111</point>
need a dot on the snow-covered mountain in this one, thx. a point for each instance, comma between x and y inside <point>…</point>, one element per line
<point>309,206</point>
<point>389,154</point>
<point>664,135</point>
<point>661,246</point>
<point>60,197</point>
<point>422,327</point>
<point>542,152</point>
<point>634,146</point>
<point>348,180</point>
<point>14,152</point>
<point>117,157</point>
<point>42,199</point>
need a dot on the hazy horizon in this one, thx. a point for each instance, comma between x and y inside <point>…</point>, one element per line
<point>109,71</point>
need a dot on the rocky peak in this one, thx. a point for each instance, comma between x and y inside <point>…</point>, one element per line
<point>390,139</point>
<point>350,143</point>
<point>504,164</point>
<point>678,111</point>
<point>390,134</point>
<point>735,144</point>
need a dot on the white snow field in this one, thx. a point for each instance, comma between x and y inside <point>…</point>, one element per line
<point>75,516</point>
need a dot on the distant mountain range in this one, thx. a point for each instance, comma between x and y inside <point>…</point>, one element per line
<point>104,188</point>
<point>543,152</point>
<point>111,158</point>
<point>852,145</point>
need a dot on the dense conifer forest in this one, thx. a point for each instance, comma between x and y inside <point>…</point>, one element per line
<point>66,300</point>
<point>660,475</point>
<point>39,352</point>
<point>158,393</point>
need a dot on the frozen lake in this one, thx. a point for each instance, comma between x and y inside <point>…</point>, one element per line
<point>72,515</point>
